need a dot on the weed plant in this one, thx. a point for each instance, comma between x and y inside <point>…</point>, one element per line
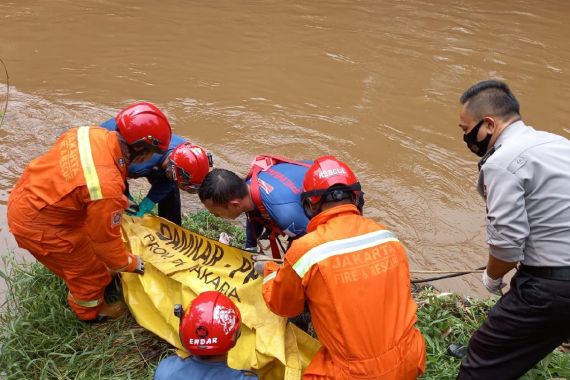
<point>206,224</point>
<point>42,339</point>
<point>448,318</point>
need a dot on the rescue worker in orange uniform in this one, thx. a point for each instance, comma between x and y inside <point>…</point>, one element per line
<point>353,274</point>
<point>67,207</point>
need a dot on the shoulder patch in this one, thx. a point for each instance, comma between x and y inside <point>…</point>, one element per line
<point>116,218</point>
<point>515,165</point>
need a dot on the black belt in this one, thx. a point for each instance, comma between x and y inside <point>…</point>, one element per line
<point>551,273</point>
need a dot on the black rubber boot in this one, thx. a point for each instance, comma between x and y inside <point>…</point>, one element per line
<point>457,351</point>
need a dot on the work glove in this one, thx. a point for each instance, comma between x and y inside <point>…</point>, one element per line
<point>133,207</point>
<point>140,266</point>
<point>259,267</point>
<point>224,238</point>
<point>145,207</point>
<point>493,285</point>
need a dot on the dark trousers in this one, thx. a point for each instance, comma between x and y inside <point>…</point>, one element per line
<point>170,207</point>
<point>525,325</point>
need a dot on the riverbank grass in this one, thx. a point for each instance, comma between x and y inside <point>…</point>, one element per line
<point>40,338</point>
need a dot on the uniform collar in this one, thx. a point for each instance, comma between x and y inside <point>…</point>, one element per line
<point>326,215</point>
<point>513,129</point>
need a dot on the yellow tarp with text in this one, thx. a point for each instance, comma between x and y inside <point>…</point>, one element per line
<point>179,265</point>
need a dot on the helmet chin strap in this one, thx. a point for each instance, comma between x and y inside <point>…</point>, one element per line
<point>125,149</point>
<point>333,196</point>
<point>129,152</point>
<point>360,202</point>
<point>166,161</point>
<point>308,209</point>
<point>169,169</point>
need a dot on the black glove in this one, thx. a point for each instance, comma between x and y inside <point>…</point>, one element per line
<point>140,266</point>
<point>133,208</point>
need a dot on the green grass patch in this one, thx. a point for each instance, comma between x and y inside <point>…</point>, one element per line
<point>40,338</point>
<point>445,319</point>
<point>206,224</point>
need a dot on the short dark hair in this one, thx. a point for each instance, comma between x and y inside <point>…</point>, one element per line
<point>490,97</point>
<point>222,186</point>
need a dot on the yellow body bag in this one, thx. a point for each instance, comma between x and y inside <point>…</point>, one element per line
<point>180,264</point>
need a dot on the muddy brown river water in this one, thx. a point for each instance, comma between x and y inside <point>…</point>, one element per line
<point>375,83</point>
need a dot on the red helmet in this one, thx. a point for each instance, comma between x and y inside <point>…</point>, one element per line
<point>324,173</point>
<point>144,124</point>
<point>188,165</point>
<point>211,325</point>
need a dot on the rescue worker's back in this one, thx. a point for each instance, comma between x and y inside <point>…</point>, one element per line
<point>53,188</point>
<point>354,276</point>
<point>66,209</point>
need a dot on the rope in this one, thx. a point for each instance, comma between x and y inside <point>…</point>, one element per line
<point>3,113</point>
<point>267,258</point>
<point>451,274</point>
<point>283,250</point>
<point>456,274</point>
<point>445,271</point>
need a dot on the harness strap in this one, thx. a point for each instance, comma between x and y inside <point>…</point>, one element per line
<point>274,231</point>
<point>255,193</point>
<point>273,242</point>
<point>260,164</point>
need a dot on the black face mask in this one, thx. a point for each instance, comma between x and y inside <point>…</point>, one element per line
<point>477,147</point>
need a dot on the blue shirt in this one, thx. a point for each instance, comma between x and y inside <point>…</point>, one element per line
<point>152,169</point>
<point>280,188</point>
<point>175,368</point>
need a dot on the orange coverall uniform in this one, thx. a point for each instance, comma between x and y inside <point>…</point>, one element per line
<point>66,209</point>
<point>354,276</point>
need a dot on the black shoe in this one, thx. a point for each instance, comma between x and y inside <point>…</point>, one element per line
<point>457,351</point>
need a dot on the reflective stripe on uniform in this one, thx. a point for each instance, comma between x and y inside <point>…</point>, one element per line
<point>92,303</point>
<point>89,171</point>
<point>269,277</point>
<point>129,261</point>
<point>340,247</point>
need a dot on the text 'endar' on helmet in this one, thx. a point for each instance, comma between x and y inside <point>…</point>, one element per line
<point>144,124</point>
<point>189,165</point>
<point>325,173</point>
<point>210,325</point>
